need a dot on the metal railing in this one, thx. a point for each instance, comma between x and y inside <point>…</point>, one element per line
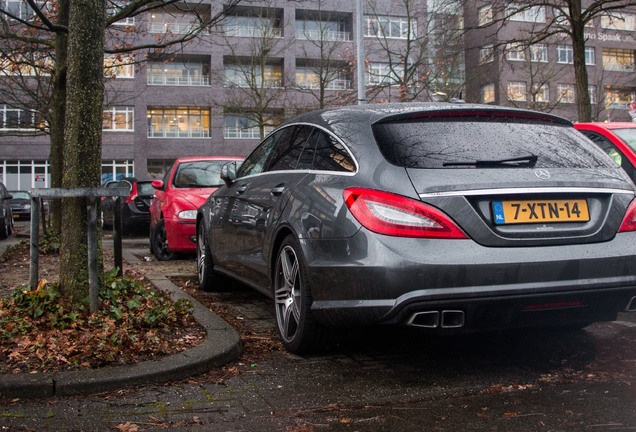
<point>178,81</point>
<point>91,195</point>
<point>176,132</point>
<point>327,35</point>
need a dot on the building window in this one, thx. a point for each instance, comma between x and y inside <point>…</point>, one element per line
<point>113,7</point>
<point>592,92</point>
<point>539,53</point>
<point>237,126</point>
<point>619,21</point>
<point>322,30</point>
<point>619,98</point>
<point>252,26</point>
<point>488,93</point>
<point>18,8</point>
<point>621,60</point>
<point>533,14</point>
<point>389,27</point>
<point>590,56</point>
<point>119,118</point>
<point>179,73</point>
<point>117,169</point>
<point>566,93</point>
<point>517,91</point>
<point>117,66</point>
<point>541,93</point>
<point>35,64</point>
<point>308,77</point>
<point>515,52</point>
<point>16,118</point>
<point>252,76</point>
<point>380,73</point>
<point>24,174</point>
<point>173,22</point>
<point>486,54</point>
<point>485,15</point>
<point>181,122</point>
<point>565,55</point>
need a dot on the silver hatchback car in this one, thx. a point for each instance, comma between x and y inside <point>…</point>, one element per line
<point>447,217</point>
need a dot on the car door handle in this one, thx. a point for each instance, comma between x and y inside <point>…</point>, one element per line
<point>241,189</point>
<point>278,190</point>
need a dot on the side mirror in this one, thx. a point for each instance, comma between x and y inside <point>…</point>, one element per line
<point>228,173</point>
<point>157,184</point>
<point>8,196</point>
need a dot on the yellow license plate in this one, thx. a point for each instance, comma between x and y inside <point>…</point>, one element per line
<point>540,211</point>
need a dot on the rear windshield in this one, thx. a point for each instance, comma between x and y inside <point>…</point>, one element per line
<point>199,174</point>
<point>627,135</point>
<point>461,142</point>
<point>20,195</point>
<point>145,189</point>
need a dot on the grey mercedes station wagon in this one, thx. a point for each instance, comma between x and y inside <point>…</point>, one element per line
<point>449,217</point>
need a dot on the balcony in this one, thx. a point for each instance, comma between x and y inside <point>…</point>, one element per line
<point>329,36</point>
<point>337,84</point>
<point>185,81</point>
<point>260,32</point>
<point>177,132</point>
<point>230,132</point>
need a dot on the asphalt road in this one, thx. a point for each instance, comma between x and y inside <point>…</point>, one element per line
<point>378,379</point>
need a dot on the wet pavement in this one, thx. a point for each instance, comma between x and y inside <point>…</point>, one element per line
<point>377,379</point>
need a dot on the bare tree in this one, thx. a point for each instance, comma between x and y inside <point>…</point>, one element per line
<point>554,19</point>
<point>420,47</point>
<point>74,37</point>
<point>253,68</point>
<point>325,70</point>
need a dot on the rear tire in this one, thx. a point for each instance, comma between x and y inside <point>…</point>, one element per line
<point>160,243</point>
<point>205,266</point>
<point>297,327</point>
<point>4,228</point>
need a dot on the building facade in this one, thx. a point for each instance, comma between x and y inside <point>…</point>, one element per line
<point>540,75</point>
<point>219,94</point>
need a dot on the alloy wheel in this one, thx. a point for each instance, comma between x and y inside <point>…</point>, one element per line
<point>288,293</point>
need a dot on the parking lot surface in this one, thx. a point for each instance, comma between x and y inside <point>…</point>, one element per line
<point>373,379</point>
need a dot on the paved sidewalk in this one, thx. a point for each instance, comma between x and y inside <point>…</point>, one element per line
<point>222,344</point>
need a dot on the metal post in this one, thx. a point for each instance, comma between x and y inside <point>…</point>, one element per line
<point>93,276</point>
<point>362,91</point>
<point>117,236</point>
<point>43,213</point>
<point>35,243</point>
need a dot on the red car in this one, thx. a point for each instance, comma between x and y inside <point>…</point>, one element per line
<point>617,139</point>
<point>173,212</point>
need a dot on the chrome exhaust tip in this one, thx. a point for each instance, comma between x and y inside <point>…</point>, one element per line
<point>631,305</point>
<point>429,319</point>
<point>453,319</point>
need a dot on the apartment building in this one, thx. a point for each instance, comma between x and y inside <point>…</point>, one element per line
<point>220,94</point>
<point>540,76</point>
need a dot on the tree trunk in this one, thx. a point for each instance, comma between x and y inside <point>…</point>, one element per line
<point>584,108</point>
<point>83,148</point>
<point>58,114</point>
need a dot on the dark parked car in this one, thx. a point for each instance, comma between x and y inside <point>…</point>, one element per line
<point>617,139</point>
<point>449,217</point>
<point>6,215</point>
<point>135,208</point>
<point>20,204</point>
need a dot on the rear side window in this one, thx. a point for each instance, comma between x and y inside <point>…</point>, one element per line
<point>288,148</point>
<point>450,142</point>
<point>329,154</point>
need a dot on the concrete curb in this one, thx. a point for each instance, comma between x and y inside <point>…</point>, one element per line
<point>222,344</point>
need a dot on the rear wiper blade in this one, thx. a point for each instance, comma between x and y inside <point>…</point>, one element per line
<point>524,161</point>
